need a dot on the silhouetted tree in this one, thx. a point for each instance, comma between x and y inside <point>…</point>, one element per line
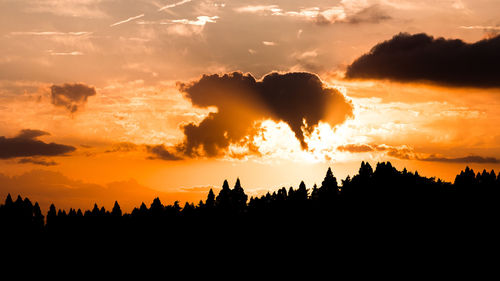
<point>238,197</point>
<point>9,203</point>
<point>384,198</point>
<point>117,211</point>
<point>301,194</point>
<point>38,222</point>
<point>52,218</point>
<point>223,200</point>
<point>329,189</point>
<point>210,202</point>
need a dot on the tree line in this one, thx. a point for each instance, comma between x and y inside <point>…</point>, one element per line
<point>381,197</point>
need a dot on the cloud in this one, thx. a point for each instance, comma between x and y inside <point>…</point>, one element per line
<point>123,147</point>
<point>407,153</point>
<point>468,159</point>
<point>155,151</point>
<point>51,33</point>
<point>74,53</point>
<point>184,27</point>
<point>69,8</point>
<point>355,148</point>
<point>161,152</point>
<point>300,99</point>
<point>346,12</point>
<point>269,43</point>
<point>371,14</point>
<point>200,20</point>
<point>31,134</point>
<point>182,2</point>
<point>26,144</point>
<point>423,58</point>
<point>127,20</point>
<point>490,31</point>
<point>401,152</point>
<point>71,96</point>
<point>259,9</point>
<point>36,161</point>
<point>485,27</point>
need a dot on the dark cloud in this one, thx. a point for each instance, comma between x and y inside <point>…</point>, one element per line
<point>26,144</point>
<point>161,152</point>
<point>322,20</point>
<point>31,134</point>
<point>423,58</point>
<point>301,100</point>
<point>71,96</point>
<point>123,147</point>
<point>371,14</point>
<point>37,161</point>
<point>155,151</point>
<point>407,153</point>
<point>468,159</point>
<point>404,153</point>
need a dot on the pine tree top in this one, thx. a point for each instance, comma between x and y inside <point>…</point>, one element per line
<point>225,185</point>
<point>237,185</point>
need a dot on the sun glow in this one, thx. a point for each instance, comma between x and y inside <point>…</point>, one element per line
<point>275,141</point>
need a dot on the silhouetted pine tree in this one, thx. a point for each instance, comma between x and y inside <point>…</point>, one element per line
<point>368,198</point>
<point>238,197</point>
<point>117,211</point>
<point>328,192</point>
<point>38,222</point>
<point>223,200</point>
<point>52,218</point>
<point>210,202</point>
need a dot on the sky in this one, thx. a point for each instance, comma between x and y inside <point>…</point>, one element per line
<point>104,100</point>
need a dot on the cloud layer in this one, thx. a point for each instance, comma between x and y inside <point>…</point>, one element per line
<point>345,12</point>
<point>161,152</point>
<point>26,144</point>
<point>299,99</point>
<point>423,58</point>
<point>71,96</point>
<point>407,153</point>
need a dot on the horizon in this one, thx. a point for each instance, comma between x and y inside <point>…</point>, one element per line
<point>136,98</point>
<point>201,192</point>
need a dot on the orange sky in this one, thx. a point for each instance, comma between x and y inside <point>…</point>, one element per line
<point>126,120</point>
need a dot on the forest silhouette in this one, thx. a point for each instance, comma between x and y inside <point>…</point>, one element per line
<point>374,199</point>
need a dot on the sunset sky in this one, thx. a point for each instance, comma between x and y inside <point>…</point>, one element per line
<point>131,99</point>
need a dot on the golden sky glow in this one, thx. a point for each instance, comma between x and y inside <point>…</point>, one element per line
<point>130,59</point>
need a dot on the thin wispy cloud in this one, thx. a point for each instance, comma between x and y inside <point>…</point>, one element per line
<point>127,20</point>
<point>51,33</point>
<point>174,5</point>
<point>200,21</point>
<point>72,8</point>
<point>269,43</point>
<point>489,27</point>
<point>274,9</point>
<point>74,53</point>
<point>345,12</point>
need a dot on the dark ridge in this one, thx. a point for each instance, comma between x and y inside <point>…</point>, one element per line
<point>382,205</point>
